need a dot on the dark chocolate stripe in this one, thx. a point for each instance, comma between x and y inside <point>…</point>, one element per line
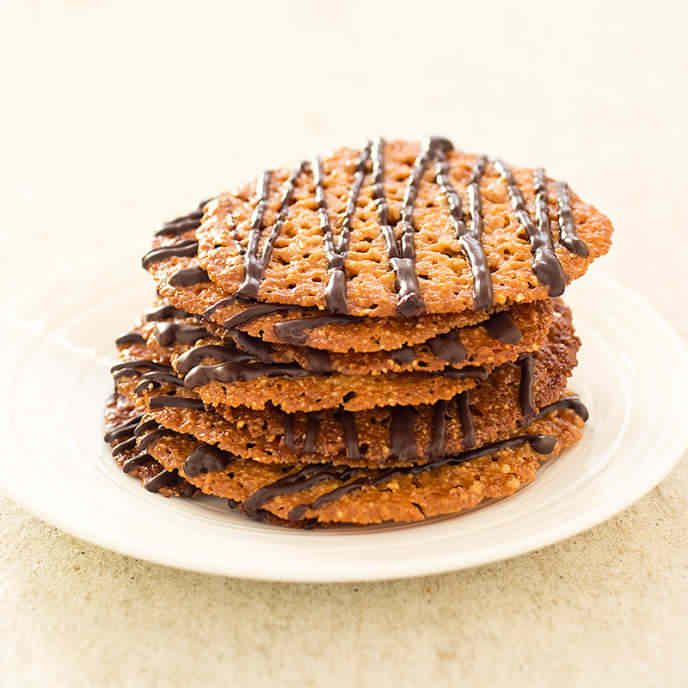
<point>184,223</point>
<point>155,378</point>
<point>350,434</point>
<point>545,262</point>
<point>183,249</point>
<point>567,226</point>
<point>171,333</point>
<point>253,345</point>
<point>317,360</point>
<point>145,426</point>
<point>137,366</point>
<point>233,372</point>
<point>254,264</point>
<point>402,436</point>
<point>336,252</point>
<point>135,461</point>
<point>163,479</point>
<point>466,420</point>
<point>403,356</point>
<point>207,459</point>
<point>542,444</point>
<point>166,401</point>
<point>249,314</point>
<point>469,238</point>
<point>145,441</point>
<point>166,312</point>
<point>288,421</point>
<point>125,429</point>
<point>312,432</point>
<point>125,445</point>
<point>401,255</point>
<point>296,331</point>
<point>448,347</point>
<point>502,328</point>
<point>438,437</point>
<point>573,402</point>
<point>188,277</point>
<point>130,338</point>
<point>295,482</point>
<point>525,389</point>
<point>224,354</point>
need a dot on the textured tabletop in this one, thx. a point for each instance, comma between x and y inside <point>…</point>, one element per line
<point>117,117</point>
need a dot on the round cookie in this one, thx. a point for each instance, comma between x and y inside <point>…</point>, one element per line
<point>399,229</point>
<point>326,494</point>
<point>501,338</point>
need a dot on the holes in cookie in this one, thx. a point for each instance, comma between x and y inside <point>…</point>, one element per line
<point>230,475</point>
<point>348,396</point>
<point>363,448</point>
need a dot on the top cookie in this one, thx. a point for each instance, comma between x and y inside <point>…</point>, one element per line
<point>400,229</point>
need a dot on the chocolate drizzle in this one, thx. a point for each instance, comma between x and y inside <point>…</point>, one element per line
<point>156,378</point>
<point>336,252</point>
<point>129,338</point>
<point>305,478</point>
<point>348,421</point>
<point>466,420</point>
<point>448,347</point>
<point>254,264</point>
<point>135,461</point>
<point>469,238</point>
<point>312,432</point>
<point>166,312</point>
<point>207,459</point>
<point>502,328</point>
<point>317,361</point>
<point>183,249</point>
<point>402,436</point>
<point>440,417</point>
<point>166,401</point>
<point>224,354</point>
<point>163,479</point>
<point>296,331</point>
<point>233,372</point>
<point>124,429</point>
<point>188,277</point>
<point>402,254</point>
<point>253,312</point>
<point>135,366</point>
<point>567,227</point>
<point>403,356</point>
<point>525,388</point>
<point>545,262</point>
<point>573,403</point>
<point>172,333</point>
<point>183,224</point>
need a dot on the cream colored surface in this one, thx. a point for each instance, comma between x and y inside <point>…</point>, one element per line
<point>115,117</point>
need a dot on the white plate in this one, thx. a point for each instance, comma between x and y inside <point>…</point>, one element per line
<point>55,464</point>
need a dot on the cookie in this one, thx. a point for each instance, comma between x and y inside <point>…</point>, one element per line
<point>327,494</point>
<point>501,338</point>
<point>400,229</point>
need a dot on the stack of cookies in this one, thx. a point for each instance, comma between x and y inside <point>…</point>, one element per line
<point>373,336</point>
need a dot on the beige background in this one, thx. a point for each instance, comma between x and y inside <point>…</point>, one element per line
<point>116,116</point>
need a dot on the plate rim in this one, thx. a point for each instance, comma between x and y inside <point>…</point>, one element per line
<point>344,572</point>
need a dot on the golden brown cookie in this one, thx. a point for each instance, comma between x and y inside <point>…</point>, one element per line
<point>501,338</point>
<point>400,229</point>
